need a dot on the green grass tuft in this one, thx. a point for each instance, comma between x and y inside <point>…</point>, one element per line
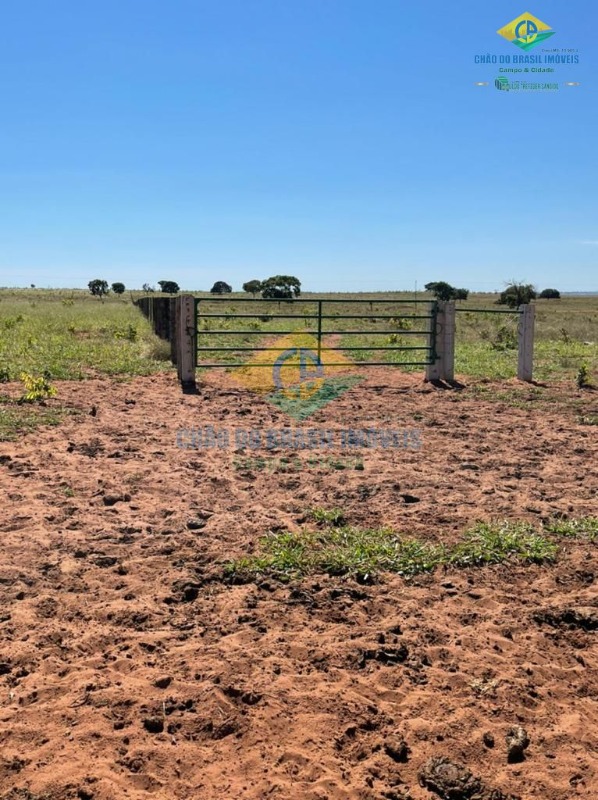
<point>363,553</point>
<point>17,420</point>
<point>585,527</point>
<point>332,516</point>
<point>495,542</point>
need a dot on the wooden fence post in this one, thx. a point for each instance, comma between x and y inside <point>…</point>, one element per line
<point>186,339</point>
<point>525,362</point>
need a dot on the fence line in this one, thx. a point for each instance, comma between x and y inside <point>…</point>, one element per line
<point>175,319</point>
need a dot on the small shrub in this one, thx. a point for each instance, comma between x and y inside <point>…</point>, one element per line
<point>129,333</point>
<point>505,339</point>
<point>36,389</point>
<point>565,338</point>
<point>517,294</point>
<point>4,375</point>
<point>582,379</point>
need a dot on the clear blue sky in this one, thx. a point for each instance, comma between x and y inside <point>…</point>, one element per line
<point>342,141</point>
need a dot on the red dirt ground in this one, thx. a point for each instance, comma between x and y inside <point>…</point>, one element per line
<point>113,616</point>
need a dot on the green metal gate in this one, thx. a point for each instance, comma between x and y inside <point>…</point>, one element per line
<point>399,318</point>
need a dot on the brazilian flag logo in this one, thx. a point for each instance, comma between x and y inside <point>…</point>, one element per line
<point>526,31</point>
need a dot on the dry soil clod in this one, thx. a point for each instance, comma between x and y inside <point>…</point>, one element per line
<point>517,742</point>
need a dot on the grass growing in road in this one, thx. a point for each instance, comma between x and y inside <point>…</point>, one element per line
<point>362,553</point>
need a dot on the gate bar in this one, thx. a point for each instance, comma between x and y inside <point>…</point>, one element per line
<point>335,364</point>
<point>284,349</point>
<point>324,316</point>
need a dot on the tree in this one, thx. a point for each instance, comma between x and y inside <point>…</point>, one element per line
<point>444,291</point>
<point>221,287</point>
<point>550,294</point>
<point>281,287</point>
<point>147,288</point>
<point>169,287</point>
<point>118,288</point>
<point>517,294</point>
<point>98,287</point>
<point>254,287</point>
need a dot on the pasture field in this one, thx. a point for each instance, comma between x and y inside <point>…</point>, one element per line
<point>68,334</point>
<point>237,621</point>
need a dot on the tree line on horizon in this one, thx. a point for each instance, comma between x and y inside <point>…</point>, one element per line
<point>282,287</point>
<point>287,287</point>
<point>515,294</point>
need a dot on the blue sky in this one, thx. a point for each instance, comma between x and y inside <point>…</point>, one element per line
<point>341,141</point>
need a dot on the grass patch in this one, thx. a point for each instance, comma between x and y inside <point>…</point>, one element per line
<point>586,527</point>
<point>363,553</point>
<point>337,551</point>
<point>74,336</point>
<point>333,516</point>
<point>18,419</point>
<point>493,543</point>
